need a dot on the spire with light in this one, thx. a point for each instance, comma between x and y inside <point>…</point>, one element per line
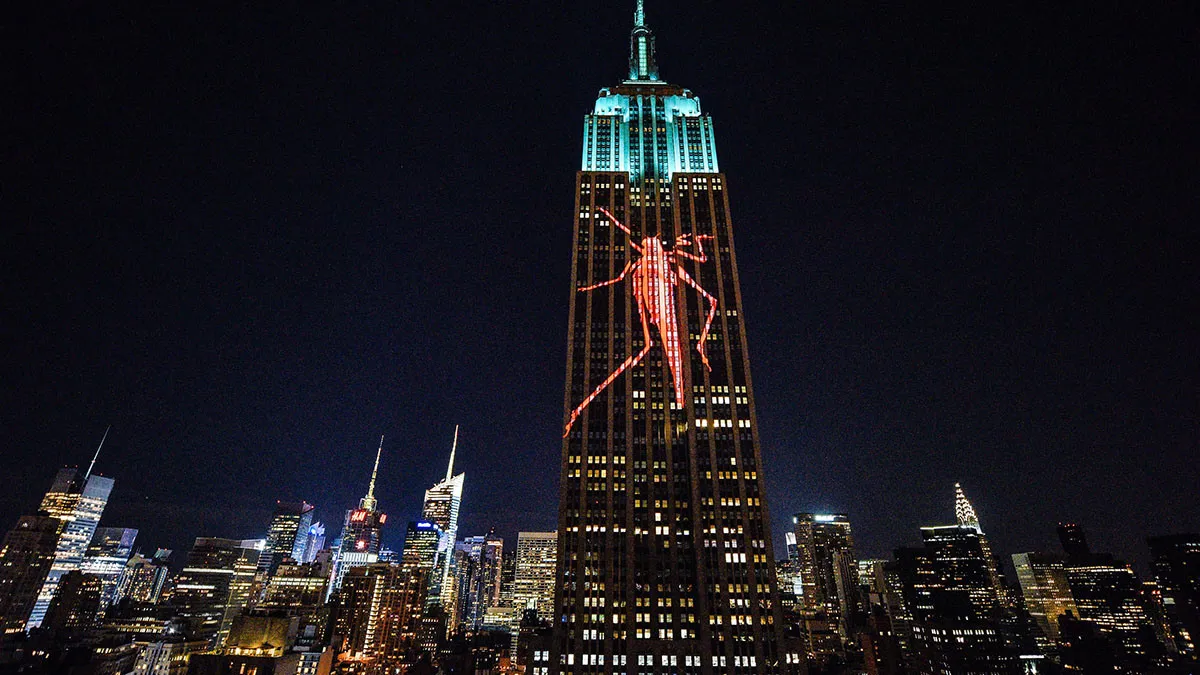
<point>97,455</point>
<point>964,511</point>
<point>369,502</point>
<point>642,63</point>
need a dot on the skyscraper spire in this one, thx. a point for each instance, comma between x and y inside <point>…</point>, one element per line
<point>97,455</point>
<point>642,63</point>
<point>453,447</point>
<point>964,511</point>
<point>369,502</point>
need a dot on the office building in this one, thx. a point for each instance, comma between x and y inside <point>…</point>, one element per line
<point>1108,594</point>
<point>828,572</point>
<point>665,556</point>
<point>314,542</point>
<point>360,541</point>
<point>287,536</point>
<point>1175,561</point>
<point>107,557</point>
<point>965,513</point>
<point>378,613</point>
<point>26,555</point>
<point>78,499</point>
<point>441,507</point>
<point>144,578</point>
<point>953,620</point>
<point>215,585</point>
<point>75,606</point>
<point>477,572</point>
<point>1073,540</point>
<point>1043,581</point>
<point>533,577</point>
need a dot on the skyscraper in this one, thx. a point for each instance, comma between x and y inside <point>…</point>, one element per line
<point>478,578</point>
<point>215,585</point>
<point>1176,565</point>
<point>287,536</point>
<point>1043,579</point>
<point>828,572</point>
<point>25,559</point>
<point>665,560</point>
<point>106,558</point>
<point>143,578</point>
<point>442,503</point>
<point>533,577</point>
<point>78,499</point>
<point>360,542</point>
<point>965,513</point>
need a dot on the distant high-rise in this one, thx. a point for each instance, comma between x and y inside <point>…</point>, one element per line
<point>1073,540</point>
<point>665,551</point>
<point>379,612</point>
<point>828,572</point>
<point>314,541</point>
<point>76,603</point>
<point>107,556</point>
<point>1108,594</point>
<point>955,613</point>
<point>1043,579</point>
<point>478,578</point>
<point>442,504</point>
<point>421,541</point>
<point>533,576</point>
<point>965,513</point>
<point>287,536</point>
<point>360,541</point>
<point>1176,565</point>
<point>144,578</point>
<point>78,498</point>
<point>25,558</point>
<point>215,585</point>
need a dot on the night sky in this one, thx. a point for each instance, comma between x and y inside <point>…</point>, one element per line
<point>253,239</point>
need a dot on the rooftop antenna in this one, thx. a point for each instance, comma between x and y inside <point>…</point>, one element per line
<point>97,455</point>
<point>453,447</point>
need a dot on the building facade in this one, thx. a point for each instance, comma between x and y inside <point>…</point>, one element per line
<point>665,560</point>
<point>441,506</point>
<point>106,558</point>
<point>215,585</point>
<point>26,555</point>
<point>78,499</point>
<point>1043,580</point>
<point>827,570</point>
<point>287,536</point>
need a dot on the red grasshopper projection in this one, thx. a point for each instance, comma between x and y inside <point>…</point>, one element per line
<point>656,274</point>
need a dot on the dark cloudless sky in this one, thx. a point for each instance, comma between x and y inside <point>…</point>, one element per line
<point>254,238</point>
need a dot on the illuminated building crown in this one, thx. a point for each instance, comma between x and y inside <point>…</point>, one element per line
<point>964,511</point>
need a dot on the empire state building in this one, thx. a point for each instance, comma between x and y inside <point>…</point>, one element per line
<point>665,561</point>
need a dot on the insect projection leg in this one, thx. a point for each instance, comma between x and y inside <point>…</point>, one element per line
<point>712,311</point>
<point>629,363</point>
<point>610,282</point>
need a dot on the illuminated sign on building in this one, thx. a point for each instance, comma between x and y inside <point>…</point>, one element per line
<point>655,276</point>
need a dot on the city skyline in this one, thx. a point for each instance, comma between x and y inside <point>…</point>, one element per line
<point>831,418</point>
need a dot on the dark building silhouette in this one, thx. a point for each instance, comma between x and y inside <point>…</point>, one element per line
<point>1175,561</point>
<point>25,558</point>
<point>76,604</point>
<point>1073,540</point>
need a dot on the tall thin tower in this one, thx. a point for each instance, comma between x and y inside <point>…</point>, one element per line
<point>665,561</point>
<point>360,541</point>
<point>442,503</point>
